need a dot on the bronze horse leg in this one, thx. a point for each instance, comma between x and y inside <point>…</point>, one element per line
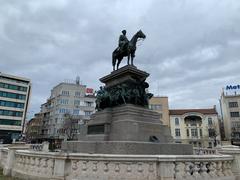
<point>132,57</point>
<point>128,59</point>
<point>119,61</point>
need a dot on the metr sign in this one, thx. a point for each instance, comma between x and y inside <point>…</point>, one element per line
<point>232,87</point>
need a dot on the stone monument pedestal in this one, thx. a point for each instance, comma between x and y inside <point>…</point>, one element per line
<point>126,125</point>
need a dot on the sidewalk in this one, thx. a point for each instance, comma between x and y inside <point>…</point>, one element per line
<point>2,177</point>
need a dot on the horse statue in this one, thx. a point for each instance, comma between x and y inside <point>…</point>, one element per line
<point>118,55</point>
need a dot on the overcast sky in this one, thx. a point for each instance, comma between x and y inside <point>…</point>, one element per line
<point>192,49</point>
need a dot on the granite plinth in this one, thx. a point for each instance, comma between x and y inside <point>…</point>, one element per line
<point>127,147</point>
<point>126,130</point>
<point>127,123</point>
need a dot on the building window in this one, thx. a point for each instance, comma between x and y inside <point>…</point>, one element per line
<point>63,101</point>
<point>76,102</point>
<point>176,121</point>
<point>10,122</point>
<point>78,93</point>
<point>211,133</point>
<point>12,95</point>
<point>76,111</point>
<point>210,121</point>
<point>209,144</point>
<point>187,132</point>
<point>155,106</point>
<point>233,104</point>
<point>11,113</point>
<point>11,104</point>
<point>194,133</point>
<point>88,113</point>
<point>65,93</point>
<point>64,111</point>
<point>234,114</point>
<point>177,133</point>
<point>13,87</point>
<point>89,104</point>
<point>200,132</point>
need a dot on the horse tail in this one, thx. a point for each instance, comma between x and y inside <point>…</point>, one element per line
<point>114,58</point>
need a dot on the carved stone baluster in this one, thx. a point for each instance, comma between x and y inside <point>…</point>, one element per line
<point>45,166</point>
<point>50,166</point>
<point>33,168</point>
<point>129,168</point>
<point>39,165</point>
<point>23,163</point>
<point>212,169</point>
<point>203,170</point>
<point>188,170</point>
<point>196,169</point>
<point>117,168</point>
<point>74,165</point>
<point>84,166</point>
<point>106,169</point>
<point>27,164</point>
<point>179,170</point>
<point>20,166</point>
<point>219,169</point>
<point>95,167</point>
<point>16,165</point>
<point>229,168</point>
<point>225,168</point>
<point>74,168</point>
<point>140,169</point>
<point>151,169</point>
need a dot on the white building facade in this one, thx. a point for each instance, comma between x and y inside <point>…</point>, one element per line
<point>14,100</point>
<point>199,127</point>
<point>230,109</point>
<point>66,98</point>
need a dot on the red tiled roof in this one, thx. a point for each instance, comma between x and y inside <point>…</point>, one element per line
<point>183,111</point>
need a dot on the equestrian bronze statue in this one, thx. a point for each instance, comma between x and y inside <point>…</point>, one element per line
<point>126,48</point>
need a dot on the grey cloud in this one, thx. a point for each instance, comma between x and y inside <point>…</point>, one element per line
<point>191,50</point>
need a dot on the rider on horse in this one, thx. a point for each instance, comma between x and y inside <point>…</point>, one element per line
<point>123,42</point>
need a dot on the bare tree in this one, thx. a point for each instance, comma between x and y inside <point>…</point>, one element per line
<point>213,132</point>
<point>70,126</point>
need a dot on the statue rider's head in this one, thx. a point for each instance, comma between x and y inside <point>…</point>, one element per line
<point>124,32</point>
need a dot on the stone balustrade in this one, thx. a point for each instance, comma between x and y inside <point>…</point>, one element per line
<point>29,164</point>
<point>36,147</point>
<point>235,152</point>
<point>3,156</point>
<point>34,165</point>
<point>40,147</point>
<point>85,166</point>
<point>204,151</point>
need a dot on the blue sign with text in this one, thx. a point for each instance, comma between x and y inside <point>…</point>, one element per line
<point>232,87</point>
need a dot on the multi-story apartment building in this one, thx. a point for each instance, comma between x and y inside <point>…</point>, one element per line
<point>160,105</point>
<point>66,98</point>
<point>34,129</point>
<point>230,109</point>
<point>14,100</point>
<point>199,127</point>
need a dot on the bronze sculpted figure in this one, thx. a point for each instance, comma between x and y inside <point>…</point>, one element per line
<point>123,41</point>
<point>126,48</point>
